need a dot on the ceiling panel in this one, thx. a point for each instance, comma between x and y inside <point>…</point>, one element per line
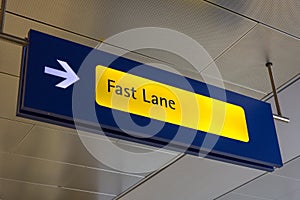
<point>127,157</point>
<point>193,178</point>
<point>178,65</point>
<point>20,27</point>
<point>102,19</point>
<point>59,174</point>
<point>291,196</point>
<point>283,15</point>
<point>288,133</point>
<point>236,196</point>
<point>57,145</point>
<point>244,63</point>
<point>9,91</point>
<point>10,59</point>
<point>16,190</point>
<point>163,60</point>
<point>243,90</point>
<point>147,148</point>
<point>70,149</point>
<point>290,170</point>
<point>270,186</point>
<point>11,133</point>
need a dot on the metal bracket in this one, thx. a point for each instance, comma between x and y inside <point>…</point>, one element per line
<point>14,39</point>
<point>277,116</point>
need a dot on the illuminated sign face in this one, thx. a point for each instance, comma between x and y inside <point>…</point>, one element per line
<point>66,83</point>
<point>130,93</point>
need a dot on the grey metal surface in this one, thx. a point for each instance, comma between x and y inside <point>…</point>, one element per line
<point>270,187</point>
<point>19,26</point>
<point>10,61</point>
<point>11,133</point>
<point>193,178</point>
<point>59,174</point>
<point>280,14</point>
<point>237,196</point>
<point>16,190</point>
<point>9,91</point>
<point>41,141</point>
<point>244,63</point>
<point>288,134</point>
<point>102,19</point>
<point>70,149</point>
<point>284,183</point>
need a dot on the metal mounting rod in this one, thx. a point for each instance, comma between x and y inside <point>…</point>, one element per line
<point>2,14</point>
<point>13,39</point>
<point>269,66</point>
<point>279,114</point>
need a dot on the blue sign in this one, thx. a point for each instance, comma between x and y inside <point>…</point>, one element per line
<point>72,85</point>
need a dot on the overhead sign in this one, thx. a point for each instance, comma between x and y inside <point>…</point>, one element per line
<point>63,82</point>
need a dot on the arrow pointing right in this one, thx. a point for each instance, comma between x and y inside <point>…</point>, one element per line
<point>69,75</point>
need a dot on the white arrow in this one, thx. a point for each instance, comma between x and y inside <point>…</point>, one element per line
<point>69,75</point>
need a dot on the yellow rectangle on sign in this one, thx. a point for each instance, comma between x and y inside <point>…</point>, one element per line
<point>137,95</point>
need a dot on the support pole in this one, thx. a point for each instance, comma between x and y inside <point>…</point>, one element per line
<point>269,66</point>
<point>2,14</point>
<point>279,114</point>
<point>13,39</point>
